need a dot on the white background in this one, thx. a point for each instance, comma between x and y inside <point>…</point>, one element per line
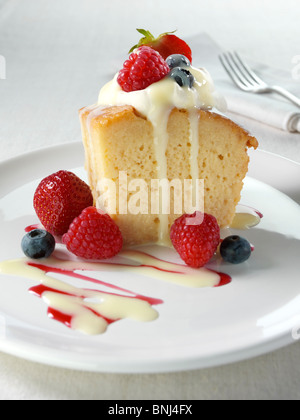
<point>58,54</point>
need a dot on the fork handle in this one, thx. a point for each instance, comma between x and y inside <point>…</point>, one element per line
<point>286,94</point>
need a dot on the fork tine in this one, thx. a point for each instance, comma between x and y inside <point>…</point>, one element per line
<point>248,81</point>
<point>231,69</point>
<point>250,72</point>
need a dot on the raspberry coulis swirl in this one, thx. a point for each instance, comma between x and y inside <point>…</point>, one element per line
<point>91,310</point>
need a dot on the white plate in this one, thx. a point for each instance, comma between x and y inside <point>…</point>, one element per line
<point>257,313</point>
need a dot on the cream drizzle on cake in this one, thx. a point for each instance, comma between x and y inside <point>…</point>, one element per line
<point>156,103</point>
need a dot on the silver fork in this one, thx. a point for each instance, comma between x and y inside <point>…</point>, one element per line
<point>247,80</point>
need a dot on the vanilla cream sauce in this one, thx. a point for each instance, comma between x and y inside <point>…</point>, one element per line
<point>88,308</point>
<point>155,103</point>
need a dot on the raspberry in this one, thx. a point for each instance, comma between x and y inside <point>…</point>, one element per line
<point>196,244</point>
<point>94,236</point>
<point>144,67</point>
<point>60,198</point>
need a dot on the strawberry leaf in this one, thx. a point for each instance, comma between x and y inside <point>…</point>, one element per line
<point>147,34</point>
<point>148,38</point>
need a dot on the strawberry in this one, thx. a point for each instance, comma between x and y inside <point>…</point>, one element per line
<point>60,198</point>
<point>166,44</point>
<point>144,67</point>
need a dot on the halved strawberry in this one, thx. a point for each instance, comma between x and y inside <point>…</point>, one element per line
<point>166,44</point>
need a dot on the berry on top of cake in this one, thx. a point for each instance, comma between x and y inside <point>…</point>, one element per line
<point>153,85</point>
<point>144,67</point>
<point>166,44</point>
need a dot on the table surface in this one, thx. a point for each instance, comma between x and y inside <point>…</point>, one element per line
<point>58,53</point>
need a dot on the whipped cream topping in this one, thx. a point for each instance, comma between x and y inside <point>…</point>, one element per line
<point>165,94</point>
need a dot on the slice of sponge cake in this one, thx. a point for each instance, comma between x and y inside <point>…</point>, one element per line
<point>198,144</point>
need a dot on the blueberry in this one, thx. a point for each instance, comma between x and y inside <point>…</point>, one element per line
<point>38,244</point>
<point>182,76</point>
<point>178,60</point>
<point>235,249</point>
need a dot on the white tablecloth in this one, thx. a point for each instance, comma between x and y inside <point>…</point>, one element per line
<point>58,53</point>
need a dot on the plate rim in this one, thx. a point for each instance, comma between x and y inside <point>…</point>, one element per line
<point>143,366</point>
